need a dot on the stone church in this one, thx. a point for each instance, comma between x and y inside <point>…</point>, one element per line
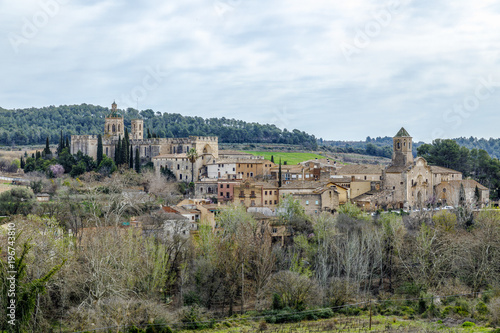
<point>175,148</point>
<point>410,183</point>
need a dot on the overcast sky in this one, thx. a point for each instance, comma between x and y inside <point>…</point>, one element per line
<point>340,70</point>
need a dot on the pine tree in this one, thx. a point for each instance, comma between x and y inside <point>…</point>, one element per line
<point>131,161</point>
<point>137,161</point>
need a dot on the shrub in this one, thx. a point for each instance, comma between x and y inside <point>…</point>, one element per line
<point>481,308</point>
<point>468,324</point>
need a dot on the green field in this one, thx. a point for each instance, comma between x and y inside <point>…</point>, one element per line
<point>290,158</point>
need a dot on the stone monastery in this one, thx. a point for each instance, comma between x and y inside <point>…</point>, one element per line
<point>172,150</point>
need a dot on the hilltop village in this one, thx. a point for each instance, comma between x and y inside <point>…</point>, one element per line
<point>224,177</point>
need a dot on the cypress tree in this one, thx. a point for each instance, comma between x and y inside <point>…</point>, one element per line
<point>61,144</point>
<point>38,155</point>
<point>47,147</point>
<point>279,175</point>
<point>126,147</point>
<point>131,161</point>
<point>22,163</point>
<point>67,142</point>
<point>124,152</point>
<point>272,158</point>
<point>137,161</point>
<point>461,196</point>
<point>118,153</point>
<point>477,195</point>
<point>99,149</point>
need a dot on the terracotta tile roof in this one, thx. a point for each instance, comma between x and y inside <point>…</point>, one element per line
<point>468,183</point>
<point>360,169</point>
<point>396,169</point>
<point>442,170</point>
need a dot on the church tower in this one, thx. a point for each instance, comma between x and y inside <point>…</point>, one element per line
<point>137,129</point>
<point>113,124</point>
<point>402,149</point>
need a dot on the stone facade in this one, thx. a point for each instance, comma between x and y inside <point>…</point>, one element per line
<point>409,183</point>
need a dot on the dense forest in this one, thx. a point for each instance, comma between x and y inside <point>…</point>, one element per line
<point>382,146</point>
<point>34,125</point>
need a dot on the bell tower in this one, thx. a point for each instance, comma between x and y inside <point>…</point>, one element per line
<point>113,124</point>
<point>137,129</point>
<point>402,154</point>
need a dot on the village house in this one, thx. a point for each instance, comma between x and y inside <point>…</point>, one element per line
<point>314,197</point>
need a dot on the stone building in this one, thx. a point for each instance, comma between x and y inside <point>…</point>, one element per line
<point>166,152</point>
<point>409,183</point>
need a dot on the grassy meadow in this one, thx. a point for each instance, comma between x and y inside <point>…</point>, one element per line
<point>290,158</point>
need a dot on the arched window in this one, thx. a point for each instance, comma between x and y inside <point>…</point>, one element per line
<point>113,128</point>
<point>118,128</point>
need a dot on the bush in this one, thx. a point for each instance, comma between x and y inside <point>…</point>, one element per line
<point>194,317</point>
<point>481,308</point>
<point>468,324</point>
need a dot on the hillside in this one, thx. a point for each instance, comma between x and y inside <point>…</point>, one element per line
<point>382,146</point>
<point>33,125</point>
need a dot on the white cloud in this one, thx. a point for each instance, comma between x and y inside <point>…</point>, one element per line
<point>247,59</point>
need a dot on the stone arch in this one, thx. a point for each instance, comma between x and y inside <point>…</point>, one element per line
<point>207,149</point>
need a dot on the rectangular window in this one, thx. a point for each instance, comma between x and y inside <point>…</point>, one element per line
<point>317,202</point>
<point>265,202</point>
<point>227,186</point>
<point>221,186</point>
<point>265,192</point>
<point>307,202</point>
<point>221,194</point>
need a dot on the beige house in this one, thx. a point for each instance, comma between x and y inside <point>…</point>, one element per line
<point>314,197</point>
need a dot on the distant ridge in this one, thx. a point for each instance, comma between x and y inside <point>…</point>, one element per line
<point>33,125</point>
